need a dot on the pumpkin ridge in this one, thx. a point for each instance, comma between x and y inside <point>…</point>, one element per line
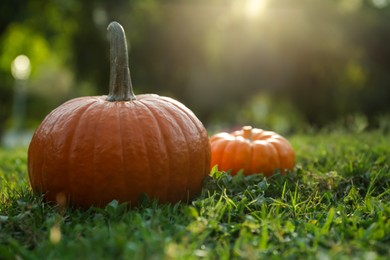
<point>138,124</point>
<point>278,155</point>
<point>47,175</point>
<point>33,167</point>
<point>72,140</point>
<point>167,191</point>
<point>285,144</point>
<point>188,114</point>
<point>238,151</point>
<point>31,151</point>
<point>135,126</point>
<point>64,170</point>
<point>251,167</point>
<point>261,156</point>
<point>216,143</point>
<point>225,156</point>
<point>198,124</point>
<point>168,167</point>
<point>182,108</point>
<point>277,158</point>
<point>98,122</point>
<point>252,158</point>
<point>179,128</point>
<point>124,164</point>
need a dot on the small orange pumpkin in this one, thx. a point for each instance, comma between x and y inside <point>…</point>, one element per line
<point>92,150</point>
<point>251,150</point>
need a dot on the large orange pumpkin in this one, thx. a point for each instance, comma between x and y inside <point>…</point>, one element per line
<point>251,150</point>
<point>92,150</point>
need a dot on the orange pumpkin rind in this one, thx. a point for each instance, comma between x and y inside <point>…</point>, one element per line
<point>251,150</point>
<point>92,150</point>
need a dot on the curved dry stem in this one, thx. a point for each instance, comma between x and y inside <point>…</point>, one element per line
<point>121,88</point>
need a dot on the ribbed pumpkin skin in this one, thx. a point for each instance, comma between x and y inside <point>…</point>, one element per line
<point>94,151</point>
<point>252,150</point>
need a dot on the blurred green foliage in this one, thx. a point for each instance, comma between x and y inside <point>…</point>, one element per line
<point>284,65</point>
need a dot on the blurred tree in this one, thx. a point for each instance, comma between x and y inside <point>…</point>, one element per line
<point>327,59</point>
<point>40,30</point>
<point>10,11</point>
<point>90,47</point>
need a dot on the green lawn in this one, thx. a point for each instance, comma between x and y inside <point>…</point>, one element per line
<point>335,205</point>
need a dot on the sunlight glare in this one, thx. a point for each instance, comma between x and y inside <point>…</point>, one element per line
<point>380,3</point>
<point>253,8</point>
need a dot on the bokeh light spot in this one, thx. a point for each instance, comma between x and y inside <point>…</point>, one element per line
<point>20,67</point>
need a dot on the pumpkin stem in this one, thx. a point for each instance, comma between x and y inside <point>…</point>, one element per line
<point>121,88</point>
<point>247,132</point>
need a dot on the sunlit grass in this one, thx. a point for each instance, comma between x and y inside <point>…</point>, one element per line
<point>336,204</point>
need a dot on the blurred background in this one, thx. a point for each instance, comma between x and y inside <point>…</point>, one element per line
<point>286,65</point>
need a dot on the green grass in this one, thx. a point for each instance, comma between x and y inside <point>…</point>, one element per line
<point>335,205</point>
